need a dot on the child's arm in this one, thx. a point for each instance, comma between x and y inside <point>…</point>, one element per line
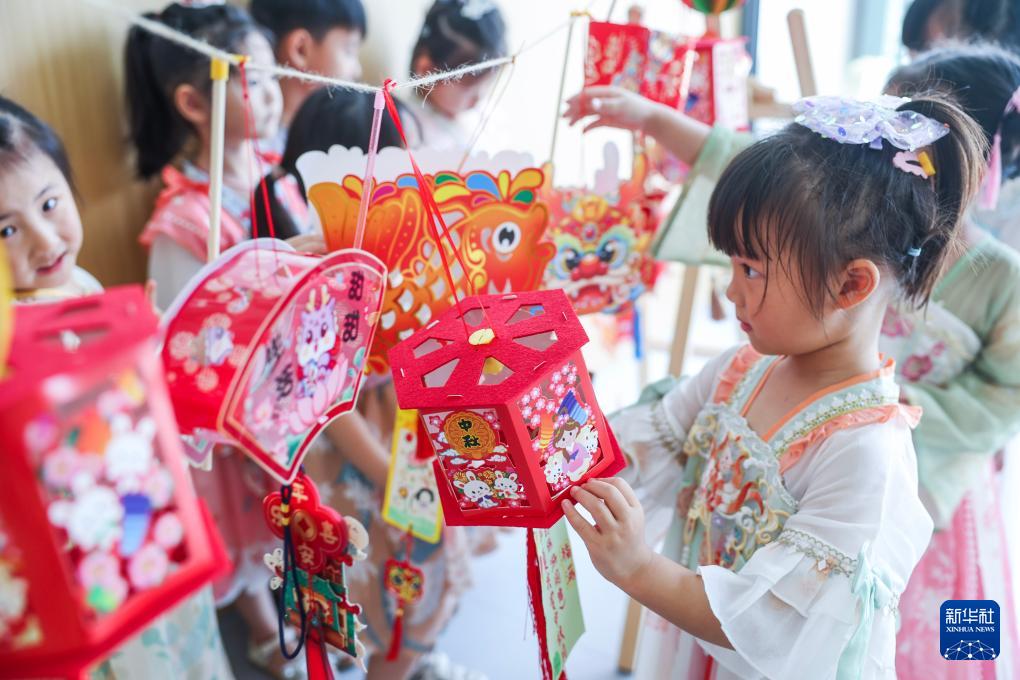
<point>615,107</point>
<point>352,438</point>
<point>618,550</point>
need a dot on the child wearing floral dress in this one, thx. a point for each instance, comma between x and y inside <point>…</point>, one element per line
<point>789,463</point>
<point>42,234</point>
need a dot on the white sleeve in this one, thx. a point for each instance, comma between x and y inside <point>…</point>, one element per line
<point>821,598</point>
<point>171,267</point>
<point>651,435</point>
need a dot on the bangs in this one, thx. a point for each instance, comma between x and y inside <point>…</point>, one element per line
<point>765,207</point>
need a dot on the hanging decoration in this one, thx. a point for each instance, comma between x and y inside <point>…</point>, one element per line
<point>318,543</point>
<point>100,530</point>
<point>491,208</point>
<point>554,597</point>
<point>508,406</point>
<point>713,7</point>
<point>411,499</point>
<point>602,237</point>
<point>267,345</point>
<point>704,77</point>
<point>406,583</point>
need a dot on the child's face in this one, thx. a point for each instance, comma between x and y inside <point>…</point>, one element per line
<point>459,96</point>
<point>336,55</point>
<point>776,318</point>
<point>264,90</point>
<point>39,223</point>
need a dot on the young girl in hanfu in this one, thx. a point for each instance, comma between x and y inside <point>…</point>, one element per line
<point>789,462</point>
<point>42,233</point>
<point>168,94</point>
<point>960,362</point>
<point>455,33</point>
<point>350,461</point>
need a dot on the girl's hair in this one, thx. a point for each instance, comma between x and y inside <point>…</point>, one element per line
<point>982,78</point>
<point>459,32</point>
<point>325,119</point>
<point>155,67</point>
<point>968,19</point>
<point>814,205</point>
<point>318,17</point>
<point>22,134</point>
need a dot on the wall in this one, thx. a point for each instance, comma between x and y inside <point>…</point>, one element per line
<point>62,61</point>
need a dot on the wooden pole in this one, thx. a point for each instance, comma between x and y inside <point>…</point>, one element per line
<point>219,71</point>
<point>801,53</point>
<point>685,310</point>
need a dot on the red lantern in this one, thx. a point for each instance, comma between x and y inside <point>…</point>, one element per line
<point>268,345</point>
<point>100,530</point>
<point>510,410</point>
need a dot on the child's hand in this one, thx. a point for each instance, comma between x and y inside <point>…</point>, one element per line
<point>308,243</point>
<point>610,107</point>
<point>617,541</point>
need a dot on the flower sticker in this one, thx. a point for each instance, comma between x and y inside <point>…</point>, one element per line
<point>148,568</point>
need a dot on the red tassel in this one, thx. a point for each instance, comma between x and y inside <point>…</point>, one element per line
<point>316,659</point>
<point>398,634</point>
<point>537,610</point>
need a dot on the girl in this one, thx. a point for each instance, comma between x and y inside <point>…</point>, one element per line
<point>42,233</point>
<point>354,480</point>
<point>455,33</point>
<point>168,95</point>
<point>961,363</point>
<point>790,462</point>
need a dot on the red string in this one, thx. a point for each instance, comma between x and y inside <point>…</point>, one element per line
<point>252,134</point>
<point>433,213</point>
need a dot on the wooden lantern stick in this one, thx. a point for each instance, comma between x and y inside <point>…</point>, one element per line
<point>801,53</point>
<point>219,71</point>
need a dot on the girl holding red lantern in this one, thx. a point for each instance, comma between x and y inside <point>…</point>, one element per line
<point>796,529</point>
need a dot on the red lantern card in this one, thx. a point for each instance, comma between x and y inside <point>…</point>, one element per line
<point>267,345</point>
<point>100,531</point>
<point>491,208</point>
<point>617,55</point>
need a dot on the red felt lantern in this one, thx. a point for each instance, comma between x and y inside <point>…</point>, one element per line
<point>267,345</point>
<point>100,530</point>
<point>508,405</point>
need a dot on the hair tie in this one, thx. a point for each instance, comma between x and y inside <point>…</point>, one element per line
<point>913,253</point>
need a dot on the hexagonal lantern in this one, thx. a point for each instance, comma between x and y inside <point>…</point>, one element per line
<point>508,405</point>
<point>267,345</point>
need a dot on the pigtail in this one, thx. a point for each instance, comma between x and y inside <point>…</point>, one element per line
<point>940,203</point>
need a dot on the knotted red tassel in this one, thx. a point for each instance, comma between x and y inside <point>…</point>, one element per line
<point>316,659</point>
<point>397,635</point>
<point>407,583</point>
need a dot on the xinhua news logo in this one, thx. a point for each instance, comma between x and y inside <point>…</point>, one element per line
<point>970,630</point>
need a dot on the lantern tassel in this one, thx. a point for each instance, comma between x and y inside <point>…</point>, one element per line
<point>396,638</point>
<point>316,659</point>
<point>537,610</point>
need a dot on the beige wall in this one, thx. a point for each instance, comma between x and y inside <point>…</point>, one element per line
<point>62,61</point>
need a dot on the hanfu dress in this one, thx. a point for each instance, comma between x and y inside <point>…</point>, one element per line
<point>804,537</point>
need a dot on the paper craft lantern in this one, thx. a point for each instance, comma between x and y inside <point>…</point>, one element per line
<point>100,530</point>
<point>602,237</point>
<point>511,413</point>
<point>324,542</point>
<point>267,345</point>
<point>654,64</point>
<point>491,207</point>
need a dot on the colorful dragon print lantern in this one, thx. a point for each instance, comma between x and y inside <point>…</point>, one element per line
<point>602,237</point>
<point>492,208</point>
<point>267,345</point>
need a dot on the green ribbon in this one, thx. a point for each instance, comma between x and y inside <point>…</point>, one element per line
<point>874,591</point>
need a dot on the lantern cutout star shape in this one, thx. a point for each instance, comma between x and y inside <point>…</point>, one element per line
<point>504,395</point>
<point>267,345</point>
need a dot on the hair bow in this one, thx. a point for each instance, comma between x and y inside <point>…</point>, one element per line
<point>849,121</point>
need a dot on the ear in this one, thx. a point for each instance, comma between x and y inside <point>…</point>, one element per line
<point>471,476</point>
<point>295,50</point>
<point>422,65</point>
<point>859,280</point>
<point>459,484</point>
<point>192,105</point>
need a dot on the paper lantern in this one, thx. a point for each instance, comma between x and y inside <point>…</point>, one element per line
<point>718,91</point>
<point>491,208</point>
<point>100,530</point>
<point>602,237</point>
<point>713,6</point>
<point>267,345</point>
<point>511,413</point>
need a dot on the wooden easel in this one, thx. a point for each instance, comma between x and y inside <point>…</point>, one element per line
<point>689,290</point>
